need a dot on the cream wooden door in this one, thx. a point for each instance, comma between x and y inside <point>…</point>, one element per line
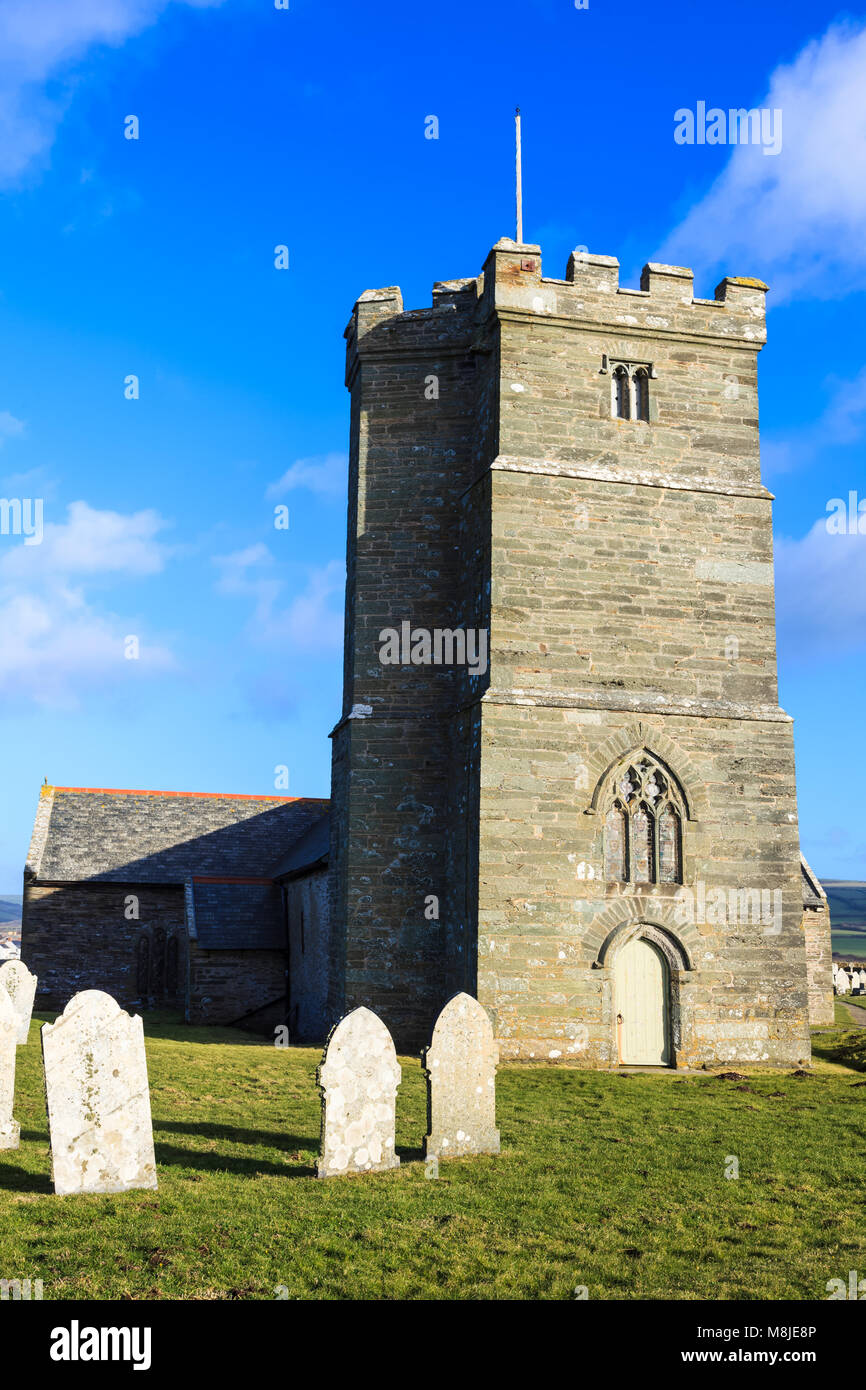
<point>642,1007</point>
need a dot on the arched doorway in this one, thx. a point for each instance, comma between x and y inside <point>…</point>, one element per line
<point>642,1004</point>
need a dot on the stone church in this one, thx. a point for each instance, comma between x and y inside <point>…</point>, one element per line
<point>561,778</point>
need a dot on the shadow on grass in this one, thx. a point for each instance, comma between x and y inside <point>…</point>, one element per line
<point>292,1144</point>
<point>15,1179</point>
<point>845,1046</point>
<point>270,1139</point>
<point>169,1156</point>
<point>406,1155</point>
<point>241,1164</point>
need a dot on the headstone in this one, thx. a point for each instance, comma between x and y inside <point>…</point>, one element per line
<point>460,1065</point>
<point>10,1130</point>
<point>20,985</point>
<point>358,1079</point>
<point>98,1098</point>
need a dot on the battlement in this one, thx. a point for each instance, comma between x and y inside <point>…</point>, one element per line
<point>511,284</point>
<point>513,280</point>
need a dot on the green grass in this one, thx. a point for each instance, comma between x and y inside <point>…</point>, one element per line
<point>616,1183</point>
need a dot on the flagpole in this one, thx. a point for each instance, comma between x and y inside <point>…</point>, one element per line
<point>519,179</point>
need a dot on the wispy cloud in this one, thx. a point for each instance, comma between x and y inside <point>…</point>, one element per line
<point>799,218</point>
<point>841,423</point>
<point>324,474</point>
<point>10,427</point>
<point>90,542</point>
<point>56,641</point>
<point>41,41</point>
<point>821,591</point>
<point>311,620</point>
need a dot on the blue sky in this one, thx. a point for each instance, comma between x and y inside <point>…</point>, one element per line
<point>305,127</point>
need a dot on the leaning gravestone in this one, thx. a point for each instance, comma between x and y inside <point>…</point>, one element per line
<point>98,1098</point>
<point>10,1130</point>
<point>358,1079</point>
<point>460,1065</point>
<point>20,986</point>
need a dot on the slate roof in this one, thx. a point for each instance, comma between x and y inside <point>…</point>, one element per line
<point>106,835</point>
<point>309,849</point>
<point>238,916</point>
<point>813,893</point>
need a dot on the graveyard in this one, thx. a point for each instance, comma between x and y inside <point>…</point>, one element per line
<point>606,1186</point>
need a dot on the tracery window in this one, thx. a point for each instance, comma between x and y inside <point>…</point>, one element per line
<point>643,819</point>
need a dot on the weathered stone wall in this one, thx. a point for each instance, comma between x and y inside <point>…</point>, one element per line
<point>309,949</point>
<point>625,570</point>
<point>409,465</point>
<point>544,922</point>
<point>819,963</point>
<point>77,936</point>
<point>232,986</point>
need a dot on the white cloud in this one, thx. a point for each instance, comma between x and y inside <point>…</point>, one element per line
<point>324,474</point>
<point>797,218</point>
<point>821,590</point>
<point>310,620</point>
<point>41,41</point>
<point>10,428</point>
<point>842,422</point>
<point>90,542</point>
<point>56,643</point>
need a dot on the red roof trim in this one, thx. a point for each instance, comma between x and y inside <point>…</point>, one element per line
<point>214,878</point>
<point>222,796</point>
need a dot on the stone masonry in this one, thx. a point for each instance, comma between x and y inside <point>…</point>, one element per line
<point>624,570</point>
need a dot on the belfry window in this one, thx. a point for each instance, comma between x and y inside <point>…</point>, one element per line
<point>621,393</point>
<point>629,389</point>
<point>640,381</point>
<point>643,818</point>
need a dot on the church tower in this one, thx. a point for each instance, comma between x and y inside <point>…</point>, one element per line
<point>577,802</point>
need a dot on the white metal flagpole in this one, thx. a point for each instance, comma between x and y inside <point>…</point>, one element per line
<point>519,180</point>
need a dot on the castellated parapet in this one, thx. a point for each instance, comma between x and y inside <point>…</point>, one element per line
<point>623,570</point>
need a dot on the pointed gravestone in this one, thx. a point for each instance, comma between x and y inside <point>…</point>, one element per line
<point>358,1079</point>
<point>10,1130</point>
<point>20,985</point>
<point>98,1098</point>
<point>460,1066</point>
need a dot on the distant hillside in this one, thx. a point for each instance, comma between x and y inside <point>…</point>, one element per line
<point>10,908</point>
<point>847,904</point>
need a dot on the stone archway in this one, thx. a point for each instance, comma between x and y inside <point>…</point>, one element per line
<point>645,964</point>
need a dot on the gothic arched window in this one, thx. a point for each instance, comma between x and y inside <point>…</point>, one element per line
<point>171,967</point>
<point>670,846</point>
<point>616,845</point>
<point>643,816</point>
<point>142,967</point>
<point>621,393</point>
<point>629,389</point>
<point>641,394</point>
<point>158,964</point>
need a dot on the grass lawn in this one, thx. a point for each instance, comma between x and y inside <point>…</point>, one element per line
<point>616,1183</point>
